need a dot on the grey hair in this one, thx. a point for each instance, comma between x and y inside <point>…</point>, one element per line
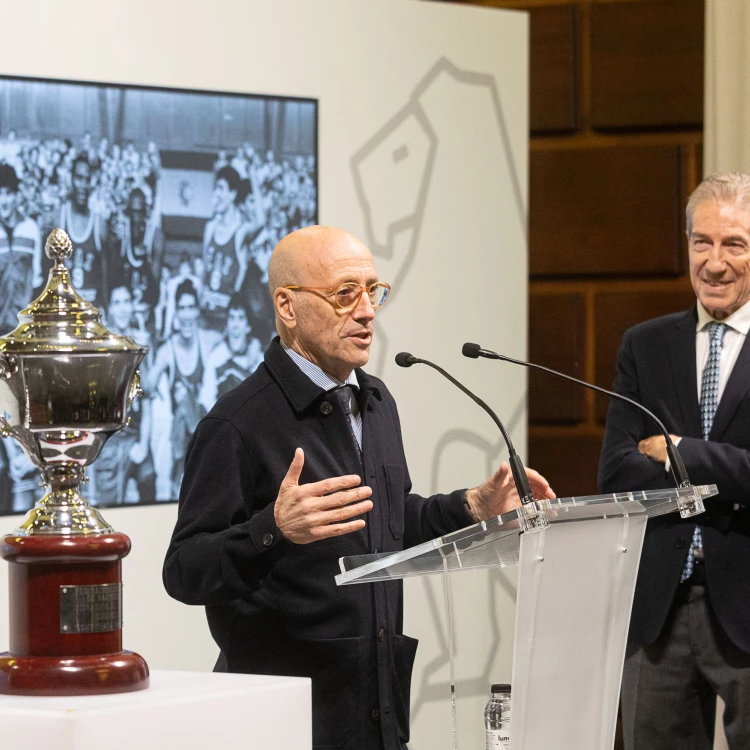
<point>723,187</point>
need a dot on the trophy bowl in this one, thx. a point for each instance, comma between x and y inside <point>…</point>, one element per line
<point>66,384</point>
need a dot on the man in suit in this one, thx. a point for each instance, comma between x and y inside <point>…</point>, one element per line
<point>689,637</point>
<point>262,524</point>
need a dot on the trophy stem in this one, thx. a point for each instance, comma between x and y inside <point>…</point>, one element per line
<point>63,510</point>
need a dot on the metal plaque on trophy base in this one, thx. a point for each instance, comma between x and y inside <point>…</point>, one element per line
<point>66,384</point>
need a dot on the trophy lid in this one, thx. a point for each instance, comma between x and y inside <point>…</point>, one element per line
<point>59,320</point>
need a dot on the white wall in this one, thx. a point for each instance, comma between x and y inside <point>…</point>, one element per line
<point>423,141</point>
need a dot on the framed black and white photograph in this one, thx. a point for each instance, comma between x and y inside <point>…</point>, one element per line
<point>174,201</point>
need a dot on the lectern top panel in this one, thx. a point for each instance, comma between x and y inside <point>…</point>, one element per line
<point>496,542</point>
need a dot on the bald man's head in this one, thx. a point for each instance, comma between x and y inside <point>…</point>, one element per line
<point>308,320</point>
<point>307,251</point>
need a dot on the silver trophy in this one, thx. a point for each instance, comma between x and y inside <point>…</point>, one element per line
<point>66,383</point>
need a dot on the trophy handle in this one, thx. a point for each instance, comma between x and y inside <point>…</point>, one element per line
<point>8,368</point>
<point>27,442</point>
<point>135,388</point>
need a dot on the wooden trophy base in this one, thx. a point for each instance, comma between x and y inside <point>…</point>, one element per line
<point>78,675</point>
<point>66,617</point>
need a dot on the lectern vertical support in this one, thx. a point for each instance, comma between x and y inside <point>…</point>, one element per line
<point>451,644</point>
<point>575,589</point>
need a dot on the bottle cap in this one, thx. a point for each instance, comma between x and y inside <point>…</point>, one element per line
<point>500,688</point>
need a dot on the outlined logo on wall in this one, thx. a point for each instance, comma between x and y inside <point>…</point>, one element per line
<point>403,153</point>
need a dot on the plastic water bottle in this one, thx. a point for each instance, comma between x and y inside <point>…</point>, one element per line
<point>497,719</point>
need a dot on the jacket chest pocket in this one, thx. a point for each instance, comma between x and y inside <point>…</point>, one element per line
<point>394,484</point>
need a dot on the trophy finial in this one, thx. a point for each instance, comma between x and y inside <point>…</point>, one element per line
<point>58,245</point>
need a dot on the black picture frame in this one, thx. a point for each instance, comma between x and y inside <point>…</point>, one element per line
<point>180,198</point>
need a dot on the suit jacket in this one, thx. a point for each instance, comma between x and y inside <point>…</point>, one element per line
<point>273,607</point>
<point>656,367</point>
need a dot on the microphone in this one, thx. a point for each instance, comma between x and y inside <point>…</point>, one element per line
<point>404,359</point>
<point>474,351</point>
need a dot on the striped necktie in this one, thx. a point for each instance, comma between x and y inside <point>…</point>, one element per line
<point>709,402</point>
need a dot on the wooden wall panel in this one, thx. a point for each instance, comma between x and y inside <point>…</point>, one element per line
<point>605,211</point>
<point>553,68</point>
<point>614,313</point>
<point>557,337</point>
<point>697,156</point>
<point>568,461</point>
<point>647,64</point>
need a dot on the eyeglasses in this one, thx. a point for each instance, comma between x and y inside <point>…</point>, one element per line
<point>348,295</point>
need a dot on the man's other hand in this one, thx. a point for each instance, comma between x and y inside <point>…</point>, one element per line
<point>306,513</point>
<point>656,447</point>
<point>498,494</point>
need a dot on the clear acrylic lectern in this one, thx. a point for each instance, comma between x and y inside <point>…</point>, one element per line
<point>578,560</point>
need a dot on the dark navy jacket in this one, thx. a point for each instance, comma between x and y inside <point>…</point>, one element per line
<point>272,606</point>
<point>656,367</point>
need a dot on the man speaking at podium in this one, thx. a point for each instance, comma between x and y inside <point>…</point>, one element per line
<point>689,637</point>
<point>300,465</point>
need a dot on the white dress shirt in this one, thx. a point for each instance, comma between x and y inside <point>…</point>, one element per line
<point>738,326</point>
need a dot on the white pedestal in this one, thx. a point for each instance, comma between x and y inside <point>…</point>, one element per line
<point>185,710</point>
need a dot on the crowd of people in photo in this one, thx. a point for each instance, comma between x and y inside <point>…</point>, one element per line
<point>202,308</point>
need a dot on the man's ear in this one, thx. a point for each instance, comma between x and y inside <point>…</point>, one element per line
<point>283,302</point>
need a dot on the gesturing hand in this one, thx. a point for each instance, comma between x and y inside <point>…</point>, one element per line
<point>498,494</point>
<point>306,513</point>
